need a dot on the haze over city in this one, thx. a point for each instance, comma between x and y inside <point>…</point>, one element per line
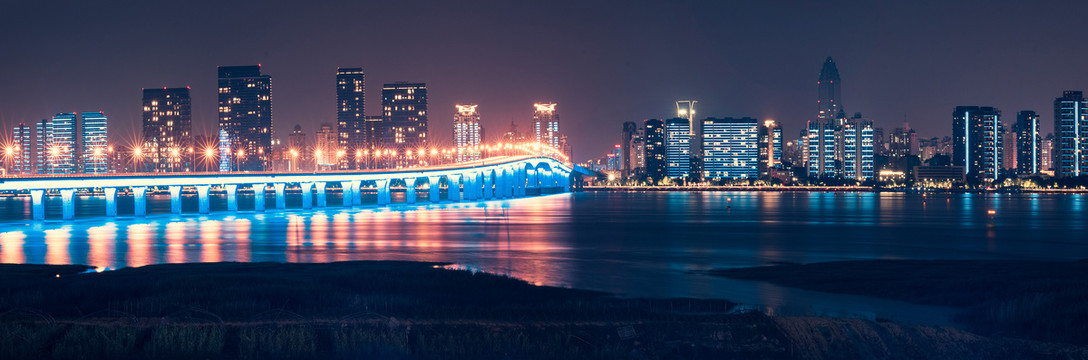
<point>603,62</point>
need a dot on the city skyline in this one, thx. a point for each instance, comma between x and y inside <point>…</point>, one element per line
<point>768,83</point>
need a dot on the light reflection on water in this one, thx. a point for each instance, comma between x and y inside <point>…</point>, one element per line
<point>635,244</point>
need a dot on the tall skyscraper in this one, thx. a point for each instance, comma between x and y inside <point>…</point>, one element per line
<point>546,125</point>
<point>820,145</point>
<point>93,135</point>
<point>977,141</point>
<point>351,115</point>
<point>770,147</point>
<point>43,146</point>
<point>167,128</point>
<point>1070,134</point>
<point>902,142</point>
<point>404,107</point>
<point>57,141</point>
<point>226,154</point>
<point>1046,152</point>
<point>730,148</point>
<point>828,101</point>
<point>466,132</point>
<point>21,149</point>
<point>685,109</point>
<point>632,143</point>
<point>326,147</point>
<point>655,150</point>
<point>678,149</point>
<point>858,150</point>
<point>375,132</point>
<point>245,112</point>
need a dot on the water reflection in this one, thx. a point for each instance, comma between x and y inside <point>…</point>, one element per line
<point>638,244</point>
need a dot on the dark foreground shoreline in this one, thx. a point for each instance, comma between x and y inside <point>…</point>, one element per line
<point>408,310</point>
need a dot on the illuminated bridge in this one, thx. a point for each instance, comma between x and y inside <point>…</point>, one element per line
<point>493,178</point>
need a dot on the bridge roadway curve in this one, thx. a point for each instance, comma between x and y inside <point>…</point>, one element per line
<point>491,178</point>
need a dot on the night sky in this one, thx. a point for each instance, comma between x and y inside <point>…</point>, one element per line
<point>603,62</point>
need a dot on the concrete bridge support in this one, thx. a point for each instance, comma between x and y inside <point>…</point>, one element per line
<point>434,182</point>
<point>281,197</point>
<point>202,198</point>
<point>384,197</point>
<point>175,199</point>
<point>321,198</point>
<point>258,196</point>
<point>37,202</point>
<point>68,203</point>
<point>139,196</point>
<point>489,180</point>
<point>111,201</point>
<point>410,190</point>
<point>232,197</point>
<point>453,187</point>
<point>349,193</point>
<point>307,195</point>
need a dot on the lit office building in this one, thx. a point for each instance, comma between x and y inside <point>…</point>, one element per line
<point>92,129</point>
<point>167,128</point>
<point>21,149</point>
<point>730,148</point>
<point>404,107</point>
<point>466,132</point>
<point>56,144</point>
<point>820,145</point>
<point>1070,134</point>
<point>977,141</point>
<point>685,109</point>
<point>633,148</point>
<point>678,149</point>
<point>858,149</point>
<point>245,112</point>
<point>326,147</point>
<point>350,115</point>
<point>1046,154</point>
<point>546,125</point>
<point>226,156</point>
<point>655,150</point>
<point>770,147</point>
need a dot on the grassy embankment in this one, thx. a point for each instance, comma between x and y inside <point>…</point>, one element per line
<point>1039,300</point>
<point>413,310</point>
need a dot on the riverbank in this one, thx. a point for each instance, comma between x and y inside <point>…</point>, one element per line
<point>418,310</point>
<point>1038,300</point>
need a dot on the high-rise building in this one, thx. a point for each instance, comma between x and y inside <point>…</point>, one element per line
<point>546,125</point>
<point>167,128</point>
<point>1008,141</point>
<point>1028,143</point>
<point>902,142</point>
<point>685,109</point>
<point>1070,134</point>
<point>977,141</point>
<point>858,150</point>
<point>404,107</point>
<point>1046,157</point>
<point>770,147</point>
<point>466,132</point>
<point>326,147</point>
<point>245,112</point>
<point>21,149</point>
<point>633,148</point>
<point>350,115</point>
<point>43,146</point>
<point>375,132</point>
<point>655,150</point>
<point>93,135</point>
<point>829,98</point>
<point>678,149</point>
<point>226,154</point>
<point>57,144</point>
<point>730,148</point>
<point>297,149</point>
<point>820,144</point>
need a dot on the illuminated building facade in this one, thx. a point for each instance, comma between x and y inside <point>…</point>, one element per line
<point>678,149</point>
<point>404,111</point>
<point>685,109</point>
<point>858,149</point>
<point>730,148</point>
<point>225,154</point>
<point>350,115</point>
<point>633,148</point>
<point>546,125</point>
<point>245,112</point>
<point>978,141</point>
<point>1070,134</point>
<point>655,150</point>
<point>21,149</point>
<point>770,147</point>
<point>466,132</point>
<point>167,129</point>
<point>829,97</point>
<point>93,135</point>
<point>326,147</point>
<point>56,144</point>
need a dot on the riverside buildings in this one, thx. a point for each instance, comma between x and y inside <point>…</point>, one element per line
<point>167,129</point>
<point>350,115</point>
<point>93,135</point>
<point>245,113</point>
<point>655,150</point>
<point>546,125</point>
<point>404,115</point>
<point>466,132</point>
<point>678,149</point>
<point>730,148</point>
<point>977,141</point>
<point>1070,134</point>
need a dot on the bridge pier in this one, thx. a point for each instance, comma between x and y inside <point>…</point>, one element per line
<point>111,201</point>
<point>467,179</point>
<point>521,180</point>
<point>410,190</point>
<point>139,200</point>
<point>508,183</point>
<point>357,192</point>
<point>321,198</point>
<point>258,196</point>
<point>232,197</point>
<point>384,198</point>
<point>68,204</point>
<point>37,202</point>
<point>349,193</point>
<point>202,199</point>
<point>307,194</point>
<point>434,182</point>
<point>453,187</point>
<point>500,183</point>
<point>175,199</point>
<point>281,198</point>
<point>489,180</point>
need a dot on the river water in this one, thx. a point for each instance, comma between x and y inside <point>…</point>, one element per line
<point>643,244</point>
